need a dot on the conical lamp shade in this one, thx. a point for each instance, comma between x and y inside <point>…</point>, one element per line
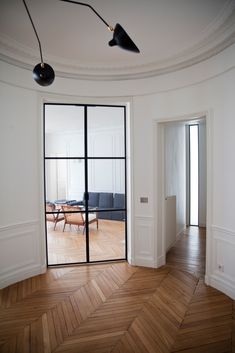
<point>122,40</point>
<point>43,74</point>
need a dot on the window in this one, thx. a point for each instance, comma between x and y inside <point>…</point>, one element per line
<point>193,174</point>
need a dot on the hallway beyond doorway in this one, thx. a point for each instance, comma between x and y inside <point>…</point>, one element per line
<point>189,252</point>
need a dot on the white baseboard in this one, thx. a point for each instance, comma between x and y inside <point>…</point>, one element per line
<point>161,261</point>
<point>222,284</point>
<point>176,239</point>
<point>20,255</point>
<point>21,275</point>
<point>141,261</point>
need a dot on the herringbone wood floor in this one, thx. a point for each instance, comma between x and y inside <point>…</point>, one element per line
<point>120,309</point>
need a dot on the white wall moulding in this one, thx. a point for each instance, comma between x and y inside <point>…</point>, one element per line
<point>206,70</point>
<point>223,265</point>
<point>217,36</point>
<point>223,284</point>
<point>19,252</point>
<point>144,242</point>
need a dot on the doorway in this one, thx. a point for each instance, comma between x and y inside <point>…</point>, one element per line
<point>85,183</point>
<point>172,188</point>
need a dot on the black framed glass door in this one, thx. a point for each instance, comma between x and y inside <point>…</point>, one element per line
<point>85,183</point>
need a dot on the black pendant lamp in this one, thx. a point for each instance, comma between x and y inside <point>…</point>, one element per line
<point>121,39</point>
<point>44,74</point>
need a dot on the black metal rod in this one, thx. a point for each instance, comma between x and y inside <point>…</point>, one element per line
<point>125,148</point>
<point>86,185</point>
<point>44,176</point>
<point>82,158</point>
<point>39,43</point>
<point>87,5</point>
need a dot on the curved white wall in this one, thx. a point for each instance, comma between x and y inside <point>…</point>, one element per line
<point>205,88</point>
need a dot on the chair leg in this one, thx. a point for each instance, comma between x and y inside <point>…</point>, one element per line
<point>97,224</point>
<point>64,226</point>
<point>55,225</point>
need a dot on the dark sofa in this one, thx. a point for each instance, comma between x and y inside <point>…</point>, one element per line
<point>103,201</point>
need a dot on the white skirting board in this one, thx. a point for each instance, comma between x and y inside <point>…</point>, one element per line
<point>20,255</point>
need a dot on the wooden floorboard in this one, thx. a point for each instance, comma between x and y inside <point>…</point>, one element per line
<point>189,252</point>
<point>120,308</point>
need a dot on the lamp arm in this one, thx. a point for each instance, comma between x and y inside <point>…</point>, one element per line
<point>84,4</point>
<point>39,43</point>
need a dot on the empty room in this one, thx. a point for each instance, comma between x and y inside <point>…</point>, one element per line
<point>117,227</point>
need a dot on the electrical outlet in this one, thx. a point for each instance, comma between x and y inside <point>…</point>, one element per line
<point>221,267</point>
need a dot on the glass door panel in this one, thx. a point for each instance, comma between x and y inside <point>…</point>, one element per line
<point>64,184</point>
<point>106,132</point>
<point>107,199</point>
<point>64,131</point>
<point>65,217</point>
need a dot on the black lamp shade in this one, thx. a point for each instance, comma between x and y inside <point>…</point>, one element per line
<point>121,39</point>
<point>43,74</point>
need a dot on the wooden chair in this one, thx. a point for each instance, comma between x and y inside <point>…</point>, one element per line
<point>78,219</point>
<point>53,217</point>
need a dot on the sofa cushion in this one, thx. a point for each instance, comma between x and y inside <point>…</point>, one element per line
<point>93,200</point>
<point>118,215</point>
<point>106,200</point>
<point>119,201</point>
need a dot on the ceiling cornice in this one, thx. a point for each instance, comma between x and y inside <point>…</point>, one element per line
<point>219,35</point>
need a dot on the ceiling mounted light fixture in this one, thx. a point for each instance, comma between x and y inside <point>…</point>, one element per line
<point>44,74</point>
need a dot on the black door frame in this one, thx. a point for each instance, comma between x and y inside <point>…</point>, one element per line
<point>86,158</point>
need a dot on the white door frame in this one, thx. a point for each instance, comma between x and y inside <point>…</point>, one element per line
<point>159,183</point>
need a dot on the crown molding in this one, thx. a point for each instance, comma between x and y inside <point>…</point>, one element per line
<point>219,35</point>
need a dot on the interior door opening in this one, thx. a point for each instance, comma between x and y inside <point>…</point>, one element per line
<point>85,183</point>
<point>182,185</point>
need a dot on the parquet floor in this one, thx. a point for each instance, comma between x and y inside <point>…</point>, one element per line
<point>106,243</point>
<point>189,252</point>
<point>117,308</point>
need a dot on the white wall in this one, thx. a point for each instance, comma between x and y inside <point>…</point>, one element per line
<point>207,87</point>
<point>20,226</point>
<point>215,97</point>
<point>175,170</point>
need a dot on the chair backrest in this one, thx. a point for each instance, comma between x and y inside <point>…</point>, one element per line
<point>50,207</point>
<point>73,218</point>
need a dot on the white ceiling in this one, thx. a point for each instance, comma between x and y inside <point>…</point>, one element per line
<point>170,34</point>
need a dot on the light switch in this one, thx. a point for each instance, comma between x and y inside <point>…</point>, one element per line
<point>144,199</point>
